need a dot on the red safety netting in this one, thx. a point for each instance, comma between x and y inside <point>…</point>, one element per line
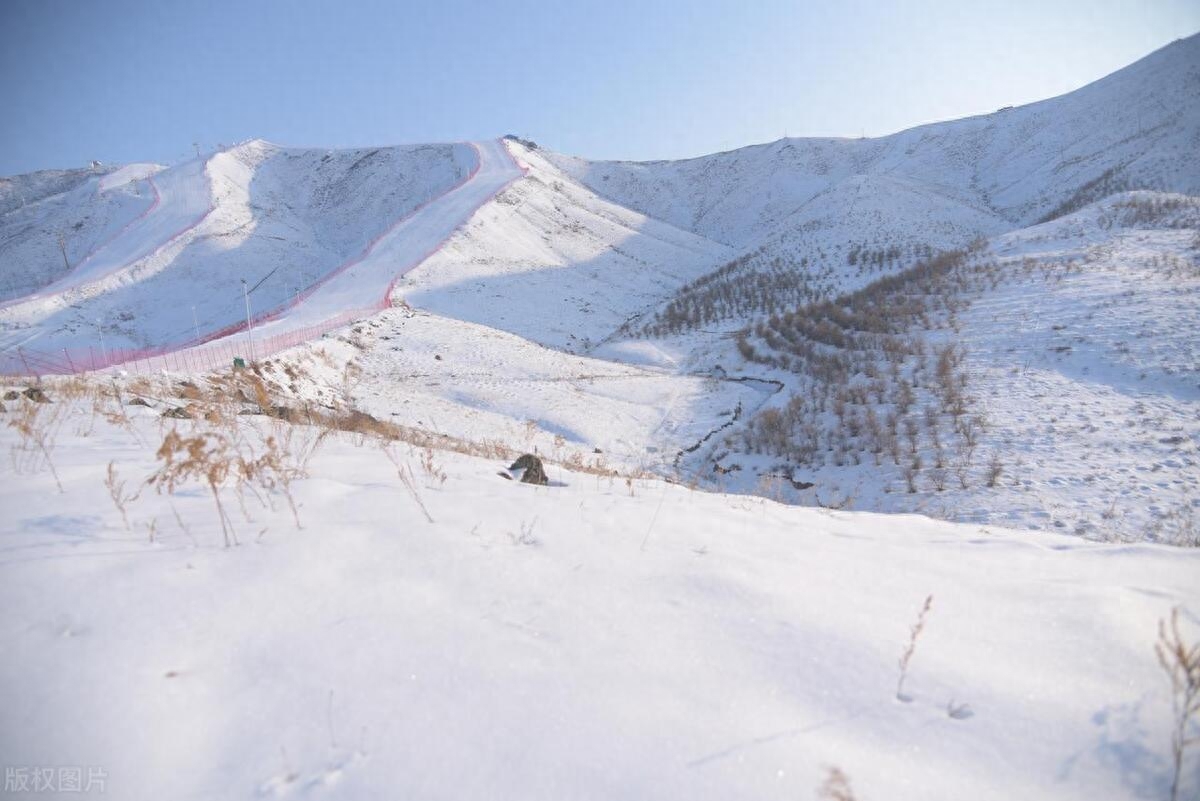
<point>218,349</point>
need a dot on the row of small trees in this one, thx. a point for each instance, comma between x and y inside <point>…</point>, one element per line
<point>764,284</point>
<point>872,383</point>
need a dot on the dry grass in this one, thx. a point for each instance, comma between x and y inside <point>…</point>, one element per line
<point>37,425</point>
<point>205,458</point>
<point>215,448</point>
<point>910,649</point>
<point>836,786</point>
<point>433,470</point>
<point>1180,660</point>
<point>406,478</point>
<point>214,460</point>
<point>121,497</point>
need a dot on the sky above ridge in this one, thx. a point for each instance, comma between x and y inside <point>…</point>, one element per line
<point>123,81</point>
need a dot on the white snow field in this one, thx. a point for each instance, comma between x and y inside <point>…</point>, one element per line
<point>590,639</point>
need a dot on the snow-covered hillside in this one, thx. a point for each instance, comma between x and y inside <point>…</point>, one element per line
<point>52,223</point>
<point>531,272</point>
<point>1076,370</point>
<point>22,190</point>
<point>786,397</point>
<point>1137,128</point>
<point>596,638</point>
<point>469,381</point>
<point>281,219</point>
<point>554,263</point>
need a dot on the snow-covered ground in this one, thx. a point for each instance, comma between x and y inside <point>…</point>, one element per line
<point>478,383</point>
<point>591,639</point>
<point>1083,363</point>
<point>436,631</point>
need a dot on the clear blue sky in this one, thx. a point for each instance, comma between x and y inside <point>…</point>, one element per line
<point>141,81</point>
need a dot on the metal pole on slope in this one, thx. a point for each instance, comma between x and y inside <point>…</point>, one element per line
<point>100,330</point>
<point>196,323</point>
<point>249,325</point>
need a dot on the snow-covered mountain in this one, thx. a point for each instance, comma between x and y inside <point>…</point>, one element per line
<point>551,261</point>
<point>144,252</point>
<point>942,183</point>
<point>658,266</point>
<point>285,556</point>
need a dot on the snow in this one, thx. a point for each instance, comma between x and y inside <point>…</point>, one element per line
<point>82,221</point>
<point>127,174</point>
<point>477,383</point>
<point>617,634</point>
<point>1082,359</point>
<point>181,200</point>
<point>586,640</point>
<point>234,215</point>
<point>365,281</point>
<point>1010,168</point>
<point>552,262</point>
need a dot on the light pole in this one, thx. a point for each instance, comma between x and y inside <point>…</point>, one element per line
<point>249,325</point>
<point>103,349</point>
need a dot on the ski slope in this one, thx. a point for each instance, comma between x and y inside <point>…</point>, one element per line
<point>50,226</point>
<point>283,220</point>
<point>181,200</point>
<point>365,282</point>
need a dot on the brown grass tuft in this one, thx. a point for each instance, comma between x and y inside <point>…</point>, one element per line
<point>1181,662</point>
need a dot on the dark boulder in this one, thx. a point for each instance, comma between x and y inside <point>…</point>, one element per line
<point>285,413</point>
<point>531,470</point>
